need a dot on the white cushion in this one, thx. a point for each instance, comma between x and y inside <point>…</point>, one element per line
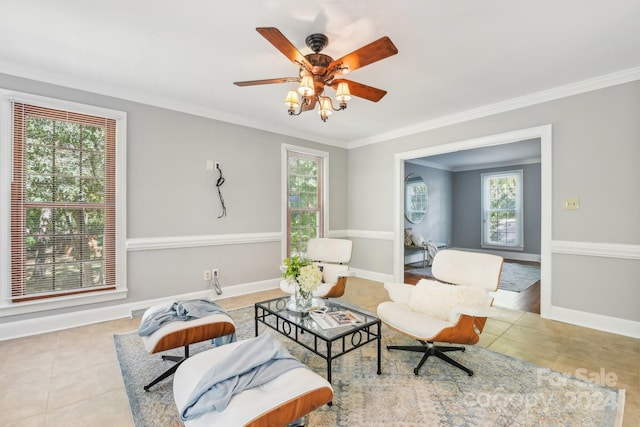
<point>249,404</point>
<point>399,292</point>
<point>331,272</point>
<point>417,239</point>
<point>468,268</point>
<point>418,325</point>
<point>330,250</point>
<point>438,299</point>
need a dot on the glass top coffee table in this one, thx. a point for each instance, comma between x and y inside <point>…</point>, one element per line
<point>354,329</point>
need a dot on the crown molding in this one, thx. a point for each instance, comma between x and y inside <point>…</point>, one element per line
<point>576,88</point>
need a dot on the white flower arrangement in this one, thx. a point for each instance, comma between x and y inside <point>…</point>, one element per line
<point>310,278</point>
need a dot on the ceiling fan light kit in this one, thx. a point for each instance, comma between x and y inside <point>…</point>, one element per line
<point>316,71</point>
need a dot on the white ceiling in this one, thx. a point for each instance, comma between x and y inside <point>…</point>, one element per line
<point>454,56</point>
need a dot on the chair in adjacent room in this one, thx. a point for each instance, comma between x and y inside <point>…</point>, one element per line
<point>333,256</point>
<point>451,309</point>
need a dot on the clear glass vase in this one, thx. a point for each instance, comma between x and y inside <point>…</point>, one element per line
<point>304,300</point>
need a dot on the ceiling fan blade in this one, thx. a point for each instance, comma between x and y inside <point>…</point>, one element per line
<point>267,81</point>
<point>276,38</point>
<point>361,91</point>
<point>375,51</point>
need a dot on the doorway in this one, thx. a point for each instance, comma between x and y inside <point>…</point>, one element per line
<point>543,133</point>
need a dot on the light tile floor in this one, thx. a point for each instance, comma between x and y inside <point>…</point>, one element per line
<point>72,378</point>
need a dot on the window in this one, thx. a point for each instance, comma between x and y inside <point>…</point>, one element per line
<point>502,209</point>
<point>64,234</point>
<point>305,195</point>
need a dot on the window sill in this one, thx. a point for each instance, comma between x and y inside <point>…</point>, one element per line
<point>8,309</point>
<point>503,247</point>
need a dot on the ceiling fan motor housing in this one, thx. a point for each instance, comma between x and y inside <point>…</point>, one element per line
<point>317,42</point>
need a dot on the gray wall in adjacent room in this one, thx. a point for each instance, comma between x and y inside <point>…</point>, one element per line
<point>467,207</point>
<point>436,225</point>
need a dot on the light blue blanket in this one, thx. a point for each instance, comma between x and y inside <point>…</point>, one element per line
<point>251,364</point>
<point>153,319</point>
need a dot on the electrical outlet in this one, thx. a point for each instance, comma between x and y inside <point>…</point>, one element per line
<point>207,275</point>
<point>216,272</point>
<point>209,165</point>
<point>572,204</point>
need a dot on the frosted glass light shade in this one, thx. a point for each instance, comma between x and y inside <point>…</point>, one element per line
<point>342,93</point>
<point>325,107</point>
<point>306,86</point>
<point>293,101</point>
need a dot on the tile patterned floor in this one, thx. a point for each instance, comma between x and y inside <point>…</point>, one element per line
<point>71,378</point>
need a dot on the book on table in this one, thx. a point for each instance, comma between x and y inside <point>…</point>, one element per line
<point>336,319</point>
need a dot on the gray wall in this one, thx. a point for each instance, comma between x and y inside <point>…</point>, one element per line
<point>467,206</point>
<point>436,225</point>
<point>595,153</point>
<point>171,194</point>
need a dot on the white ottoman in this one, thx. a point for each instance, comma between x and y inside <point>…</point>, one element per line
<point>182,334</point>
<point>276,403</point>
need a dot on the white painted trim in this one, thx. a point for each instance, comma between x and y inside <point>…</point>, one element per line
<point>368,234</point>
<point>8,308</point>
<point>284,180</point>
<point>74,300</point>
<point>376,276</point>
<point>545,134</point>
<point>338,234</point>
<point>41,325</point>
<point>599,322</point>
<point>509,163</point>
<point>608,250</point>
<point>576,88</point>
<point>178,242</point>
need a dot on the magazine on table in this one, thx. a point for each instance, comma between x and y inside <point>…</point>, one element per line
<point>336,319</point>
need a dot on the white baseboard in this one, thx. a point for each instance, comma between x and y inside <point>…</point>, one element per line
<point>23,328</point>
<point>373,275</point>
<point>599,322</point>
<point>41,325</point>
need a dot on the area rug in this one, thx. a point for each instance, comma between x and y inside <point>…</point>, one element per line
<point>502,392</point>
<point>515,277</point>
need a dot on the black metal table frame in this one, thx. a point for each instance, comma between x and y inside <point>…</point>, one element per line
<point>371,330</point>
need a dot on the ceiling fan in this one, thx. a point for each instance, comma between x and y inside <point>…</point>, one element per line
<point>317,71</point>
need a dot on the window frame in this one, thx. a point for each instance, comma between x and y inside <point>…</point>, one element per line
<point>324,192</point>
<point>7,307</point>
<point>519,213</point>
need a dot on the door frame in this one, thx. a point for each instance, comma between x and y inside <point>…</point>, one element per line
<point>544,133</point>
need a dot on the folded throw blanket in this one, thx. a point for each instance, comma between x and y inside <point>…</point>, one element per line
<point>153,319</point>
<point>251,364</point>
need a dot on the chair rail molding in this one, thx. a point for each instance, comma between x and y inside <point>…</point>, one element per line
<point>369,234</point>
<point>596,249</point>
<point>176,242</point>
